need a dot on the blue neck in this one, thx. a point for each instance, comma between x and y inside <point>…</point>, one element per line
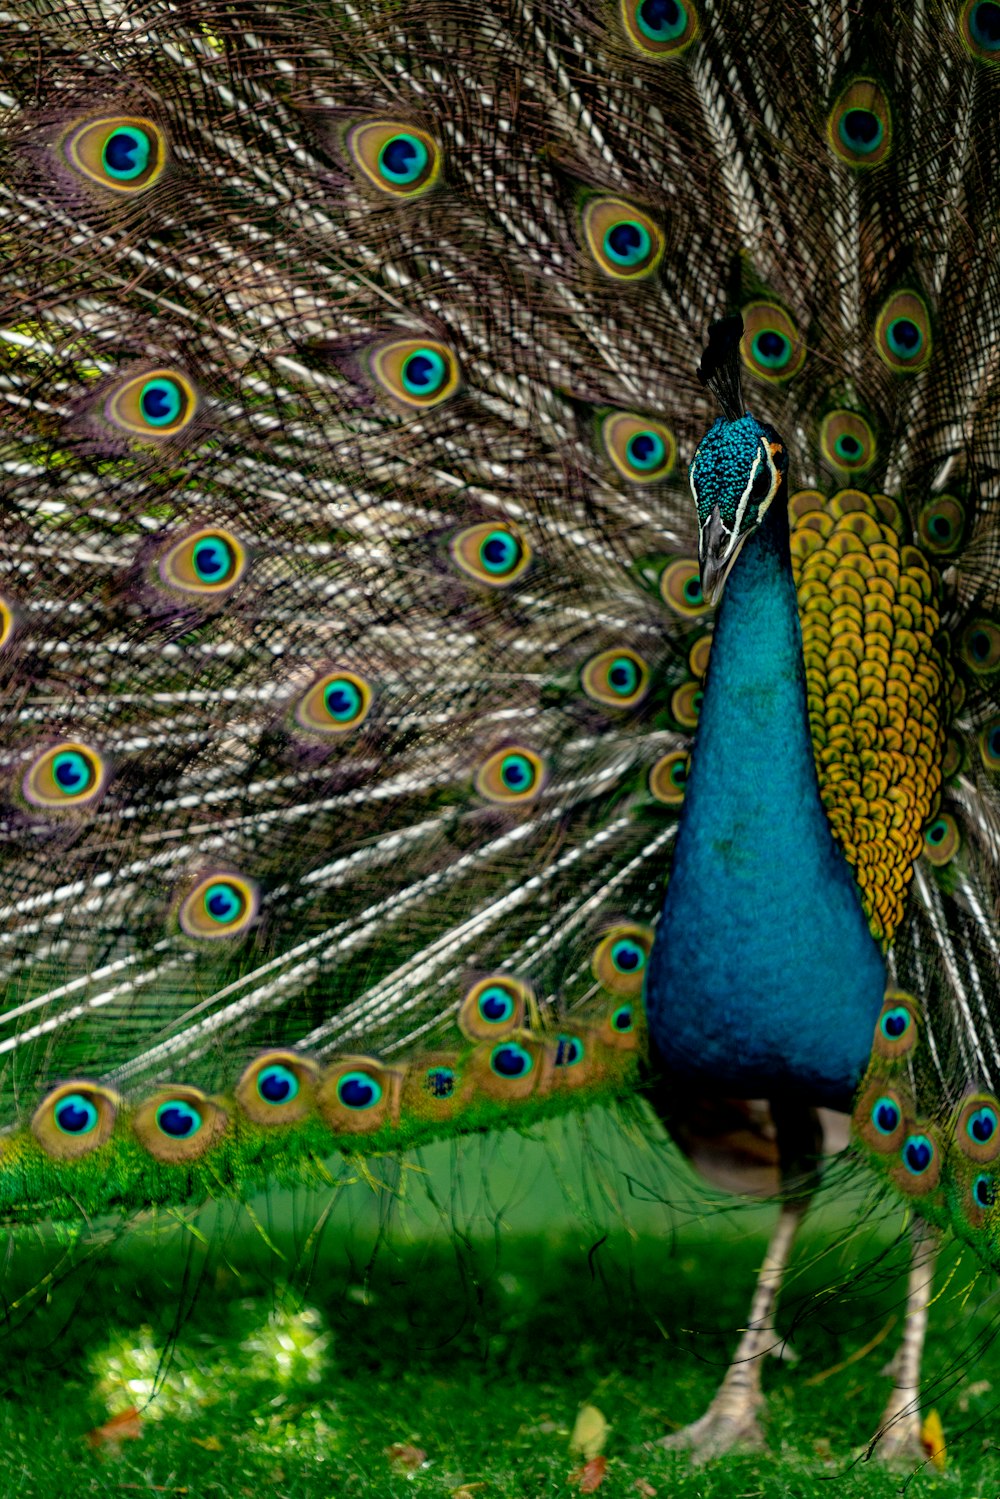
<point>764,978</point>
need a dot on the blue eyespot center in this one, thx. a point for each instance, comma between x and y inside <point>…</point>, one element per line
<point>178,1119</point>
<point>213,559</point>
<point>771,349</point>
<point>895,1023</point>
<point>918,1153</point>
<point>277,1084</point>
<point>692,591</point>
<point>981,1126</point>
<point>984,23</point>
<point>76,1115</point>
<point>511,1061</point>
<point>499,552</point>
<point>661,20</point>
<point>937,832</point>
<point>885,1116</point>
<point>627,243</point>
<point>402,159</point>
<point>623,676</point>
<point>622,1019</point>
<point>424,372</point>
<point>359,1090</point>
<point>342,700</point>
<point>861,130</point>
<point>628,956</point>
<point>224,903</point>
<point>126,153</point>
<point>160,401</point>
<point>984,1193</point>
<point>569,1051</point>
<point>646,450</point>
<point>517,773</point>
<point>495,1005</point>
<point>904,337</point>
<point>440,1082</point>
<point>73,773</point>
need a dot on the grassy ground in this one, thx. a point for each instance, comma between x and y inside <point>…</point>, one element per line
<point>264,1357</point>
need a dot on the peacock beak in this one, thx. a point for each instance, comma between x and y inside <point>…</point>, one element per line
<point>718,549</point>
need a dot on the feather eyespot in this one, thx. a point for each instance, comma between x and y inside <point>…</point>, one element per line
<point>979,27</point>
<point>896,1027</point>
<point>179,1124</point>
<point>979,646</point>
<point>494,555</point>
<point>643,451</point>
<point>338,703</point>
<point>154,406</point>
<point>68,776</point>
<point>494,1006</point>
<point>620,958</point>
<point>860,125</point>
<point>668,778</point>
<point>880,1117</point>
<point>511,1061</point>
<point>417,372</point>
<point>918,1154</point>
<point>771,347</point>
<point>210,561</point>
<point>989,744</point>
<point>75,1119</point>
<point>941,525</point>
<point>511,775</point>
<point>616,678</point>
<point>625,242</point>
<point>358,1095</point>
<point>977,1128</point>
<point>680,588</point>
<point>685,708</point>
<point>847,441</point>
<point>942,840</point>
<point>219,906</point>
<point>398,159</point>
<point>278,1088</point>
<point>124,153</point>
<point>660,28</point>
<point>903,333</point>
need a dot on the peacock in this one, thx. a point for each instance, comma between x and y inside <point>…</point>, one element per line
<point>500,595</point>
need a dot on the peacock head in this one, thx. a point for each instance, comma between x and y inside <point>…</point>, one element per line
<point>738,469</point>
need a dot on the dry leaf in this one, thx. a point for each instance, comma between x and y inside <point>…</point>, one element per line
<point>210,1444</point>
<point>645,1489</point>
<point>125,1427</point>
<point>591,1475</point>
<point>932,1437</point>
<point>405,1456</point>
<point>590,1432</point>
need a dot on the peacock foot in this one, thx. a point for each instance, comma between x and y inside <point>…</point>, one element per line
<point>731,1422</point>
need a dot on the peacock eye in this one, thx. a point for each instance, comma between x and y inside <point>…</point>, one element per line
<point>616,678</point>
<point>979,646</point>
<point>619,960</point>
<point>359,1090</point>
<point>153,406</point>
<point>336,704</point>
<point>771,347</point>
<point>917,1154</point>
<point>223,905</point>
<point>358,1095</point>
<point>981,1125</point>
<point>942,840</point>
<point>125,153</point>
<point>74,1120</point>
<point>510,1060</point>
<point>277,1088</point>
<point>859,128</point>
<point>277,1084</point>
<point>984,1193</point>
<point>641,449</point>
<point>622,1019</point>
<point>989,745</point>
<point>885,1115</point>
<point>494,555</point>
<point>626,244</point>
<point>668,778</point>
<point>178,1124</point>
<point>980,29</point>
<point>847,441</point>
<point>65,777</point>
<point>680,588</point>
<point>398,159</point>
<point>660,28</point>
<point>903,333</point>
<point>569,1051</point>
<point>512,775</point>
<point>178,1119</point>
<point>416,373</point>
<point>895,1023</point>
<point>206,562</point>
<point>493,1006</point>
<point>941,525</point>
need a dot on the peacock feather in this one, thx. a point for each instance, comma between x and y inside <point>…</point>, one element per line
<point>407,671</point>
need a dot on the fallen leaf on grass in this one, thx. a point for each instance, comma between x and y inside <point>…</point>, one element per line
<point>406,1457</point>
<point>590,1477</point>
<point>645,1489</point>
<point>590,1432</point>
<point>932,1437</point>
<point>210,1444</point>
<point>125,1427</point>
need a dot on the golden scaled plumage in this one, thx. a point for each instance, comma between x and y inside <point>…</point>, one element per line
<point>876,684</point>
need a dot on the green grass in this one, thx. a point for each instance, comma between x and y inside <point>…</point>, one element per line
<point>286,1354</point>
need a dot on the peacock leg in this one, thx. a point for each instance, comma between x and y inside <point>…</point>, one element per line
<point>732,1418</point>
<point>898,1437</point>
